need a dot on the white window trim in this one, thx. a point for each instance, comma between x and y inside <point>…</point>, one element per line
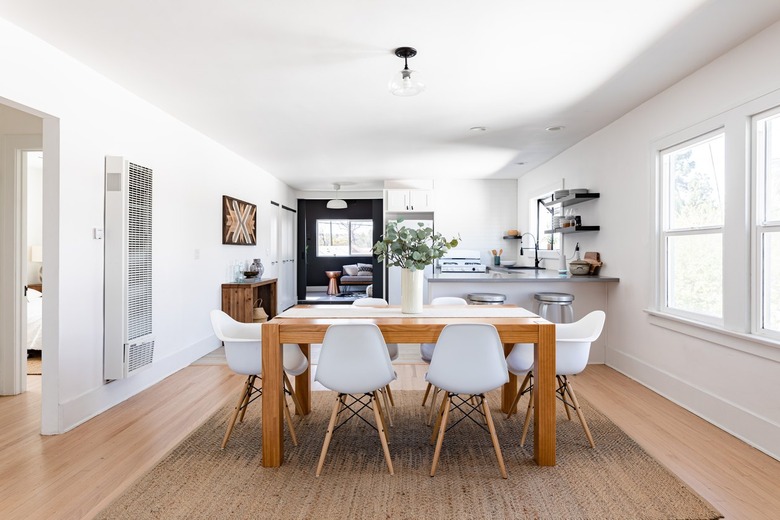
<point>349,245</point>
<point>758,229</point>
<point>738,330</point>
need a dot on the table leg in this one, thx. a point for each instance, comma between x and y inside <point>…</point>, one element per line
<point>273,397</point>
<point>303,382</point>
<point>544,396</point>
<point>509,390</point>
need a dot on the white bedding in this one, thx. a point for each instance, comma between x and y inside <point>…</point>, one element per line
<point>34,314</point>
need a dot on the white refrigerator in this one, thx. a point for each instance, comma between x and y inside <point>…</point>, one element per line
<point>394,273</point>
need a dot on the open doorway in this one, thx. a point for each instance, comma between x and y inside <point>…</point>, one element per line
<point>32,172</point>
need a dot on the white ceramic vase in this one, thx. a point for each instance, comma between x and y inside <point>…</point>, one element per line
<point>411,291</point>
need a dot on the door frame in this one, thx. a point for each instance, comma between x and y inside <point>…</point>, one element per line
<point>13,373</point>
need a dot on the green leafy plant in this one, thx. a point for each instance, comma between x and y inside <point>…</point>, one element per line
<point>411,248</point>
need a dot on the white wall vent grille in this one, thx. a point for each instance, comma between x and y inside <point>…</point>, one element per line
<point>128,340</point>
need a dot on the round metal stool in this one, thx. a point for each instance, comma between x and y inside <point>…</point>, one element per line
<point>486,299</point>
<point>563,301</point>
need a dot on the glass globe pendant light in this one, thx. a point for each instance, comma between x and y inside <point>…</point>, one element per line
<point>406,82</point>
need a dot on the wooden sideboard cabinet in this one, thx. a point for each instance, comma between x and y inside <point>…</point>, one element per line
<point>238,299</point>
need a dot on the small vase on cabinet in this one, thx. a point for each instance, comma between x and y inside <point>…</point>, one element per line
<point>411,291</point>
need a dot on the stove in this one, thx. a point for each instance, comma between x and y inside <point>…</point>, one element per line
<point>462,261</point>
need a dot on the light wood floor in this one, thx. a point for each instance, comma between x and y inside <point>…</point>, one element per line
<point>76,474</point>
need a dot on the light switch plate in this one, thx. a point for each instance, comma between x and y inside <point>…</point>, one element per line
<point>97,233</point>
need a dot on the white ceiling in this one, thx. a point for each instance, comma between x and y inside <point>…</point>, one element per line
<point>299,87</point>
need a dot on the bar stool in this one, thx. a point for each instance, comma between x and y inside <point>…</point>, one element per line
<point>561,300</point>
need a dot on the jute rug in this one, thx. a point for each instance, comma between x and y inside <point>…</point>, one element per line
<point>616,480</point>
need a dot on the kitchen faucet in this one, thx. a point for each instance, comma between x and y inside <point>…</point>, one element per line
<point>536,248</point>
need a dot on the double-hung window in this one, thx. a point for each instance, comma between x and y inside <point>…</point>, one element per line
<point>344,237</point>
<point>692,221</point>
<point>767,222</point>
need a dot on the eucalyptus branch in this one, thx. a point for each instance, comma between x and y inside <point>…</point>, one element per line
<point>411,248</point>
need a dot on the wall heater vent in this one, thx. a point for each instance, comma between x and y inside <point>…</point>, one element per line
<point>128,342</point>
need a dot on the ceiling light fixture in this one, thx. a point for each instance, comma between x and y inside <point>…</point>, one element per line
<point>406,82</point>
<point>555,128</point>
<point>336,203</point>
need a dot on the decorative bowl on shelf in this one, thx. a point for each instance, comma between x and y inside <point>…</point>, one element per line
<point>507,263</point>
<point>250,274</point>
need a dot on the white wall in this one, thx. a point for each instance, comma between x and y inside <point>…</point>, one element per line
<point>86,117</point>
<point>732,389</point>
<point>480,211</point>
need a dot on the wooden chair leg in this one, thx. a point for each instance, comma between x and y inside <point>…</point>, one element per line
<point>562,391</point>
<point>436,426</point>
<point>433,406</point>
<point>238,408</point>
<point>390,396</point>
<point>328,434</point>
<point>247,396</point>
<point>442,428</point>
<point>382,411</point>
<point>577,408</point>
<point>380,426</point>
<point>427,390</point>
<point>389,414</point>
<point>527,421</point>
<point>290,423</point>
<point>296,401</point>
<point>513,408</point>
<point>494,437</point>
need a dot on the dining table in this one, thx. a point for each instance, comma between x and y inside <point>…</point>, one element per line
<point>307,324</point>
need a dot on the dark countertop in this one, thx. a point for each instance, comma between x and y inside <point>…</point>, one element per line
<point>504,275</point>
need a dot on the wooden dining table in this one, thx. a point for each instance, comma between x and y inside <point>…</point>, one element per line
<point>307,324</point>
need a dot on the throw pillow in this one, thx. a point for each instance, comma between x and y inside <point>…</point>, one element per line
<point>364,269</point>
<point>350,270</point>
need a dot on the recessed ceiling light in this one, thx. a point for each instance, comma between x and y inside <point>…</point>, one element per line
<point>521,163</point>
<point>555,128</point>
<point>477,129</point>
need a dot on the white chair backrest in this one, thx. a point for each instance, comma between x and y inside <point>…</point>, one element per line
<point>354,359</point>
<point>370,302</point>
<point>243,343</point>
<point>449,300</point>
<point>574,340</point>
<point>468,359</point>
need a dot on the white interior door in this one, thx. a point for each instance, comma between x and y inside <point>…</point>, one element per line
<point>287,279</point>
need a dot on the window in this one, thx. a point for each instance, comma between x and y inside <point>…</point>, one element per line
<point>344,237</point>
<point>692,220</point>
<point>767,230</point>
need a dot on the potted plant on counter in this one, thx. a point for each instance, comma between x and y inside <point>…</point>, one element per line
<point>411,249</point>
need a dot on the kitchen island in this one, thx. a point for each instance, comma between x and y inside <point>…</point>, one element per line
<point>520,285</point>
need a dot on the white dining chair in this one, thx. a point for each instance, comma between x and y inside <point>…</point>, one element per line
<point>468,361</point>
<point>426,352</point>
<point>243,351</point>
<point>354,363</point>
<point>572,349</point>
<point>392,350</point>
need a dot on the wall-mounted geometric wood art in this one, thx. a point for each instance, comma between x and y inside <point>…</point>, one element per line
<point>239,222</point>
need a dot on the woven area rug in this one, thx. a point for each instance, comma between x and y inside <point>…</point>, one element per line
<point>616,480</point>
<point>34,362</point>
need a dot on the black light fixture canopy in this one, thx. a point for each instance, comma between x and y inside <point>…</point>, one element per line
<point>406,82</point>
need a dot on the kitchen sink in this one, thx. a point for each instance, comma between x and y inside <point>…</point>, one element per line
<point>524,267</point>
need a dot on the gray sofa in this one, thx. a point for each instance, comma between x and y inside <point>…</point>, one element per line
<point>356,274</point>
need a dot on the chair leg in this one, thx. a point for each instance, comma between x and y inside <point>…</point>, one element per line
<point>380,426</point>
<point>390,396</point>
<point>527,421</point>
<point>328,434</point>
<point>389,414</point>
<point>425,397</point>
<point>442,428</point>
<point>577,408</point>
<point>296,401</point>
<point>378,405</point>
<point>494,437</point>
<point>290,423</point>
<point>513,408</point>
<point>433,407</point>
<point>436,425</point>
<point>247,396</point>
<point>562,390</point>
<point>239,404</point>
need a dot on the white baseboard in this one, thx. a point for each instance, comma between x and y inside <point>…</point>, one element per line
<point>88,405</point>
<point>742,423</point>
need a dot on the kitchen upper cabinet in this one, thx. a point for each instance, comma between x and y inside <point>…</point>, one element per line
<point>409,200</point>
